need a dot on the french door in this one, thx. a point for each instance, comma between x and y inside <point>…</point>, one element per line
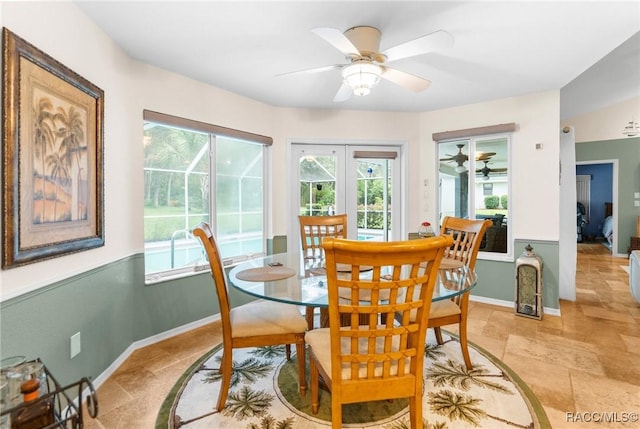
<point>359,180</point>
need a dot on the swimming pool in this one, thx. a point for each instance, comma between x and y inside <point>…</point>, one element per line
<point>159,257</point>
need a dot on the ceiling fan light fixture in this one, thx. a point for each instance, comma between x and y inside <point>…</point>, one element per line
<point>632,129</point>
<point>460,169</point>
<point>361,77</point>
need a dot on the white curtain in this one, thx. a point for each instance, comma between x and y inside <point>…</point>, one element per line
<point>568,247</point>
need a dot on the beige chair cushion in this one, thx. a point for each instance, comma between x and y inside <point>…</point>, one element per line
<point>264,317</point>
<point>442,308</point>
<point>320,342</point>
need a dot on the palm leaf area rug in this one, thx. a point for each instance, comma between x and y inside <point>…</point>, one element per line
<point>264,395</point>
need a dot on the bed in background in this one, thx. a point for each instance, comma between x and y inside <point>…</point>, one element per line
<point>607,226</point>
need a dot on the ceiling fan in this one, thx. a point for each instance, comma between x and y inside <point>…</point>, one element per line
<point>460,158</point>
<point>361,47</point>
<point>486,170</point>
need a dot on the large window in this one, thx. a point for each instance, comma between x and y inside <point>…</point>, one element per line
<point>474,184</point>
<point>196,172</point>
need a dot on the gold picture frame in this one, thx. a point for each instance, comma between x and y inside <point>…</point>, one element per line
<point>52,157</point>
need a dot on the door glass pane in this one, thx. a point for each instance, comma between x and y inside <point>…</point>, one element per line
<point>317,185</point>
<point>374,199</point>
<point>351,179</point>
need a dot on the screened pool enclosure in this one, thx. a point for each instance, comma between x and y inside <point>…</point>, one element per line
<point>183,169</point>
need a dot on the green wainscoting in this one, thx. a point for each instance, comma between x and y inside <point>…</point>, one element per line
<point>496,280</point>
<point>99,304</point>
<point>277,244</point>
<point>112,308</point>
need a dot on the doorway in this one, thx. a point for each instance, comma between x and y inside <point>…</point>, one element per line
<point>363,181</point>
<point>601,207</point>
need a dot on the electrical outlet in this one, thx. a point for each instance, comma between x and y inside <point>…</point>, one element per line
<point>74,342</point>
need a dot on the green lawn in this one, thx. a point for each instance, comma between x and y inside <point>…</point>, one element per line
<point>165,211</point>
<point>161,222</point>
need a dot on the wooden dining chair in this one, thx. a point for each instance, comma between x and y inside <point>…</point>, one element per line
<point>375,361</point>
<point>259,323</point>
<point>467,235</point>
<point>313,230</point>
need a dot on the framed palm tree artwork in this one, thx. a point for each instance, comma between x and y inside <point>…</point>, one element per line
<point>52,156</point>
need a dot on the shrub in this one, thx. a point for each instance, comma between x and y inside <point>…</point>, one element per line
<point>503,202</point>
<point>491,201</point>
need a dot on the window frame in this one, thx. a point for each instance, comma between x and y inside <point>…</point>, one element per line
<point>505,132</point>
<point>213,132</point>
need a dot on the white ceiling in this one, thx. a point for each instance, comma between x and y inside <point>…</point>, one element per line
<point>501,49</point>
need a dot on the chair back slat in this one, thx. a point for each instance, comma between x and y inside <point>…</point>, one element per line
<point>314,229</point>
<point>386,278</point>
<point>467,235</point>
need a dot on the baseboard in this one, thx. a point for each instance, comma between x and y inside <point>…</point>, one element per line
<point>97,382</point>
<point>502,303</point>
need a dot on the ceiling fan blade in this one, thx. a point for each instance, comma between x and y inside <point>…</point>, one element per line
<point>438,40</point>
<point>336,38</point>
<point>405,79</point>
<point>482,156</point>
<point>487,170</point>
<point>343,94</point>
<point>313,70</point>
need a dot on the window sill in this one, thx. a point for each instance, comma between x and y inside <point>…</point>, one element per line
<point>155,278</point>
<point>178,273</point>
<point>498,257</point>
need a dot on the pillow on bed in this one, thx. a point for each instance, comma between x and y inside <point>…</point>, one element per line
<point>607,228</point>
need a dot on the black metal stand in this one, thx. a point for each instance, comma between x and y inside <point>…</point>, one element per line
<point>55,409</point>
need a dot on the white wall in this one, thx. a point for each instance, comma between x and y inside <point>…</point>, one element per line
<point>534,173</point>
<point>129,88</point>
<point>568,247</point>
<point>606,123</point>
<point>63,32</point>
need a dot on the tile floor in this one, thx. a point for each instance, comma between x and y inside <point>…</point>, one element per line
<point>586,361</point>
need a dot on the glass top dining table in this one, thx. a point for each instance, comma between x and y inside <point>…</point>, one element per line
<point>288,278</point>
